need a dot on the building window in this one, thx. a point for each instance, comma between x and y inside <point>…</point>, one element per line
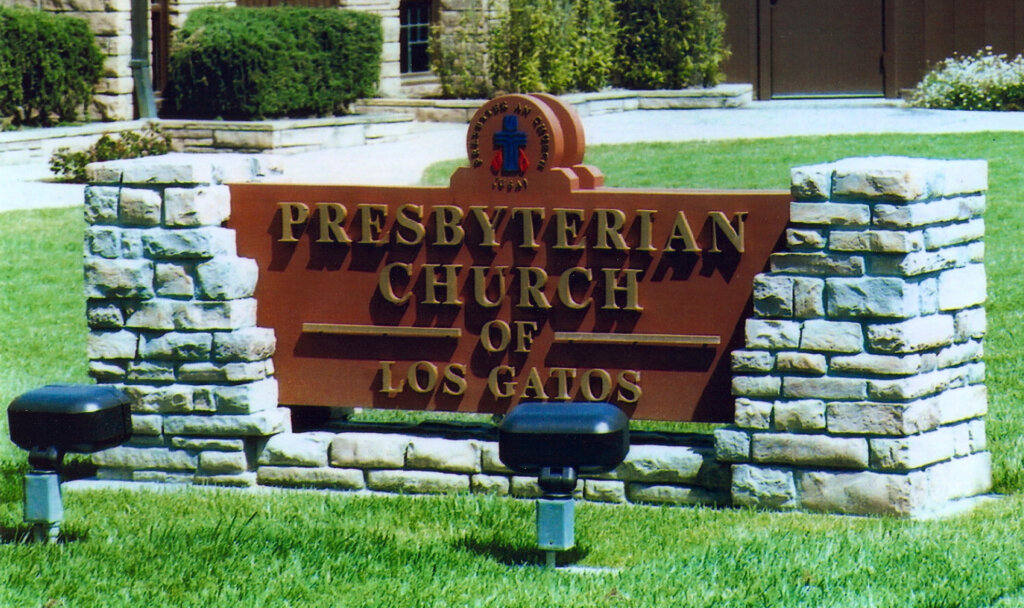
<point>414,35</point>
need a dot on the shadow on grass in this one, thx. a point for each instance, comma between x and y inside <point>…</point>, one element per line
<point>22,535</point>
<point>516,554</point>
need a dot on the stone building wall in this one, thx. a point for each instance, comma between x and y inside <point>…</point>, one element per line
<point>861,387</point>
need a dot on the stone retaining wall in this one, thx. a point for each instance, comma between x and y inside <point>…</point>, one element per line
<point>286,135</point>
<point>861,387</point>
<point>586,104</point>
<point>38,145</point>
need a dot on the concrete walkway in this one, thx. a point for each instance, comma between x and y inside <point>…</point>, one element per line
<point>402,162</point>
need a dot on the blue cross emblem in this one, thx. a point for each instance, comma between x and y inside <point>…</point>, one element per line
<point>510,141</point>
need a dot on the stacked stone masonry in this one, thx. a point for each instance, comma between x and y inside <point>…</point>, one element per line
<point>861,385</point>
<point>396,463</point>
<point>173,322</point>
<point>860,388</point>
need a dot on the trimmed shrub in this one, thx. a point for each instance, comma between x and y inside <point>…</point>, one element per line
<point>982,81</point>
<point>593,47</point>
<point>69,166</point>
<point>244,63</point>
<point>670,44</point>
<point>49,66</point>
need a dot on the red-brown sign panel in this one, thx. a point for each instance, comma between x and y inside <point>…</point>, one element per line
<point>523,280</point>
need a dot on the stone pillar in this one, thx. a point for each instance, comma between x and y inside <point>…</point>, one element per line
<point>173,322</point>
<point>861,387</point>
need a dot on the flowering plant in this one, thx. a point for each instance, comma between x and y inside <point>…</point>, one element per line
<point>983,81</point>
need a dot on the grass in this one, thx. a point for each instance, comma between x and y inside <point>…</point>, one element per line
<point>221,548</point>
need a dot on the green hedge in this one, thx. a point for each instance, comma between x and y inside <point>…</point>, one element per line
<point>49,65</point>
<point>243,63</point>
<point>670,44</point>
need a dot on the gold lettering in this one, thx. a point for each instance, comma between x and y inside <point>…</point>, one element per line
<point>385,380</point>
<point>413,377</point>
<point>735,236</point>
<point>565,288</point>
<point>612,288</point>
<point>681,231</point>
<point>587,388</point>
<point>480,285</point>
<point>508,388</point>
<point>646,217</point>
<point>529,235</point>
<point>455,380</point>
<point>410,217</point>
<point>488,225</point>
<point>609,227</point>
<point>371,220</point>
<point>567,231</point>
<point>331,215</point>
<point>292,214</point>
<point>525,331</point>
<point>504,336</point>
<point>447,223</point>
<point>535,384</point>
<point>386,285</point>
<point>562,375</point>
<point>531,284</point>
<point>450,283</point>
<point>630,386</point>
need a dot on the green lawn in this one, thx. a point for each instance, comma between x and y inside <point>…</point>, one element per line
<point>219,548</point>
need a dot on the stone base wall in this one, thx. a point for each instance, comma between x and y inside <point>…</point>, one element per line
<point>861,387</point>
<point>396,463</point>
<point>652,474</point>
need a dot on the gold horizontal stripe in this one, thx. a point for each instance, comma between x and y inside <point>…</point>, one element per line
<point>641,339</point>
<point>388,331</point>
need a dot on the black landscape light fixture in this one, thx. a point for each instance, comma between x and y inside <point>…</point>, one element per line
<point>557,442</point>
<point>49,422</point>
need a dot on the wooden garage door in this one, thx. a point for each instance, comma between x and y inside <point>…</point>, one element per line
<point>826,47</point>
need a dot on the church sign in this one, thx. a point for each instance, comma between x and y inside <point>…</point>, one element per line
<point>524,279</point>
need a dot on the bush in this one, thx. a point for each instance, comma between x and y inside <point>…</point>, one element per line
<point>458,55</point>
<point>243,63</point>
<point>49,65</point>
<point>670,44</point>
<point>982,81</point>
<point>69,166</point>
<point>531,45</point>
<point>593,47</point>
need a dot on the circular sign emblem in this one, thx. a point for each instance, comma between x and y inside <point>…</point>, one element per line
<point>515,135</point>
